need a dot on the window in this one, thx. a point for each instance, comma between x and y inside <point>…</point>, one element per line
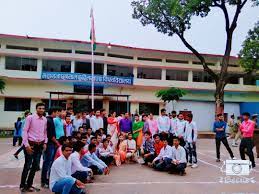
<point>146,73</point>
<point>21,48</point>
<point>85,67</point>
<point>17,104</point>
<point>199,76</point>
<point>120,56</point>
<point>149,108</point>
<point>177,75</point>
<point>59,103</point>
<point>176,61</point>
<point>57,50</point>
<point>234,80</point>
<point>19,63</point>
<point>149,59</point>
<point>88,89</point>
<point>89,53</point>
<point>85,105</point>
<point>115,70</point>
<point>251,80</point>
<point>118,107</point>
<point>56,66</point>
<point>199,63</point>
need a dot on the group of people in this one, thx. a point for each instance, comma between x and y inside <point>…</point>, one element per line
<point>78,145</point>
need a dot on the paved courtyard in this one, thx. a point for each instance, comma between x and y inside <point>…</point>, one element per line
<point>137,179</point>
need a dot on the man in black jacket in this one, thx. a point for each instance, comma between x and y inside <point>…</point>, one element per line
<point>105,123</point>
<point>52,146</point>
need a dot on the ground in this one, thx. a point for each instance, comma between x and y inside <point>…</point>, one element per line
<point>137,179</point>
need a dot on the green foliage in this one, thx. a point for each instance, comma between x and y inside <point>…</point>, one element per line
<point>2,85</point>
<point>170,94</point>
<point>249,54</point>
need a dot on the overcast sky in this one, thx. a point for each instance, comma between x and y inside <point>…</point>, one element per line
<point>69,19</point>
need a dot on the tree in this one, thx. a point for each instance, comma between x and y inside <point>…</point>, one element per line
<point>249,54</point>
<point>174,17</point>
<point>2,85</point>
<point>171,94</point>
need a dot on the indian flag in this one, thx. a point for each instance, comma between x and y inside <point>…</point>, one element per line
<point>92,34</point>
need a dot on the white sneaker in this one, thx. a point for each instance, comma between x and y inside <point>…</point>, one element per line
<point>194,165</point>
<point>234,158</point>
<point>189,164</point>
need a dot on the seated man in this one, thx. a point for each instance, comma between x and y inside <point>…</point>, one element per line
<point>158,144</point>
<point>164,158</point>
<point>78,170</point>
<point>131,148</point>
<point>90,160</point>
<point>178,163</point>
<point>61,180</point>
<point>106,153</point>
<point>147,150</point>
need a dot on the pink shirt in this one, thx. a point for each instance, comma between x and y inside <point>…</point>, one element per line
<point>35,129</point>
<point>247,128</point>
<point>152,124</point>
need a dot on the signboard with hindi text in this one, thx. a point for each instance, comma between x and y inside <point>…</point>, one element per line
<point>80,77</point>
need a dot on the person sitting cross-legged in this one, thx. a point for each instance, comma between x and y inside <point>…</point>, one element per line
<point>90,160</point>
<point>131,149</point>
<point>178,163</point>
<point>106,153</point>
<point>147,150</point>
<point>78,170</point>
<point>61,180</point>
<point>164,158</point>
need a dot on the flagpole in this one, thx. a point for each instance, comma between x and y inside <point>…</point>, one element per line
<point>92,64</point>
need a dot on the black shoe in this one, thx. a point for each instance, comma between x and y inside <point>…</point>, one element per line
<point>253,165</point>
<point>16,156</point>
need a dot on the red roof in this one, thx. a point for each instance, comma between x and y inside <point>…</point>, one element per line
<point>107,44</point>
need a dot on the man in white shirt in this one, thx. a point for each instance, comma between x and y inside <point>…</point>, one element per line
<point>164,158</point>
<point>180,129</point>
<point>178,163</point>
<point>61,180</point>
<point>77,121</point>
<point>191,134</point>
<point>163,124</point>
<point>79,171</point>
<point>106,153</point>
<point>96,122</point>
<point>131,149</point>
<point>172,131</point>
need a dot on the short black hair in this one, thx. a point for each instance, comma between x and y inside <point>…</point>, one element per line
<point>246,114</point>
<point>163,110</point>
<point>104,140</point>
<point>156,135</point>
<point>91,146</point>
<point>219,115</point>
<point>176,138</point>
<point>148,133</point>
<point>40,104</point>
<point>130,134</point>
<point>78,146</point>
<point>108,136</point>
<point>93,138</point>
<point>66,145</point>
<point>190,115</point>
<point>62,140</point>
<point>52,110</point>
<point>173,112</point>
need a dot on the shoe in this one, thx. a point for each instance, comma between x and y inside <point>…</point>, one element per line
<point>234,145</point>
<point>189,164</point>
<point>253,165</point>
<point>44,185</point>
<point>16,156</point>
<point>234,158</point>
<point>218,160</point>
<point>182,173</point>
<point>194,166</point>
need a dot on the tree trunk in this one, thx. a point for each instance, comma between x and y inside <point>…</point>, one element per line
<point>219,97</point>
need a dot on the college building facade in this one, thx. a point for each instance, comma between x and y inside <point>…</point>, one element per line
<point>126,79</point>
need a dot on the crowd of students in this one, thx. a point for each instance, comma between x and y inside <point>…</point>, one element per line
<point>78,145</point>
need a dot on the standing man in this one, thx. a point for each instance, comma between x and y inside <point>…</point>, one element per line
<point>180,129</point>
<point>247,129</point>
<point>105,122</point>
<point>163,124</point>
<point>86,120</point>
<point>34,140</point>
<point>173,123</point>
<point>59,125</point>
<point>52,146</point>
<point>77,121</point>
<point>219,128</point>
<point>152,124</point>
<point>96,122</point>
<point>126,125</point>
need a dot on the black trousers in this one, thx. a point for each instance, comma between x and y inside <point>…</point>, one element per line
<point>172,168</point>
<point>107,160</point>
<point>150,158</point>
<point>15,139</point>
<point>31,165</point>
<point>248,144</point>
<point>19,150</point>
<point>81,175</point>
<point>225,142</point>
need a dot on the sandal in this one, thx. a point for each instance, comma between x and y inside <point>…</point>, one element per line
<point>33,189</point>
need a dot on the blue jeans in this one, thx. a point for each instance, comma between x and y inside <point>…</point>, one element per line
<point>49,155</point>
<point>66,186</point>
<point>161,165</point>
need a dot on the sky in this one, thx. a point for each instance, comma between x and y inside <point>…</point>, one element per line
<point>70,19</point>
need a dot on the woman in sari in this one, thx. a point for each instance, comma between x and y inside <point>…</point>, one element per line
<point>113,128</point>
<point>138,131</point>
<point>120,151</point>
